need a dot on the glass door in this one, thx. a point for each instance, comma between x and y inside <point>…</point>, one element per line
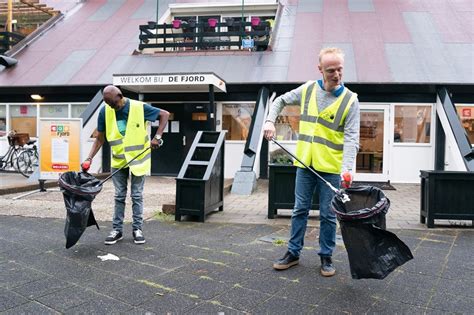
<point>372,159</point>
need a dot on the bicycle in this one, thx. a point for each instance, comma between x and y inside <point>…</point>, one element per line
<point>9,160</point>
<point>28,160</point>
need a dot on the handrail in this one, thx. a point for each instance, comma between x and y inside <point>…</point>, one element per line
<point>462,140</point>
<point>200,39</point>
<point>9,39</point>
<point>254,138</point>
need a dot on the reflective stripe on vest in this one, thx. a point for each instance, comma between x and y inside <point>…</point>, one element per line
<point>321,135</point>
<point>136,139</point>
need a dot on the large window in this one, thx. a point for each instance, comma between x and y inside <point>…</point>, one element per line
<point>77,110</point>
<point>412,124</point>
<point>23,119</point>
<point>466,115</point>
<point>53,111</point>
<point>236,119</point>
<point>287,124</point>
<point>371,143</point>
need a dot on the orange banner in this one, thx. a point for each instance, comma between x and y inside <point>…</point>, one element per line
<point>60,143</point>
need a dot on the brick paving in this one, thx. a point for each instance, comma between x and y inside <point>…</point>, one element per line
<point>403,214</point>
<point>220,267</point>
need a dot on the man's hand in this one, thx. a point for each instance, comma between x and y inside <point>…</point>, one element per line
<point>155,143</point>
<point>269,130</point>
<point>346,179</point>
<point>86,165</point>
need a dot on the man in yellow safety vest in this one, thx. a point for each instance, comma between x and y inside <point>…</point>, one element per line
<point>328,141</point>
<point>124,123</point>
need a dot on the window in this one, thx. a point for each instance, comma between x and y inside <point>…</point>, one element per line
<point>412,124</point>
<point>3,120</point>
<point>236,119</point>
<point>53,111</point>
<point>466,115</point>
<point>370,155</point>
<point>287,124</point>
<point>23,119</point>
<point>77,110</point>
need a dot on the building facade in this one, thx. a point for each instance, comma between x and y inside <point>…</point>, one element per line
<point>399,54</point>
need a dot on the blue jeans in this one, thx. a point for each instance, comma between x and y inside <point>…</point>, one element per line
<point>306,184</point>
<point>120,180</point>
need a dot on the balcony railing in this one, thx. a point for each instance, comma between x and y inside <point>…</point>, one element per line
<point>8,40</point>
<point>197,36</point>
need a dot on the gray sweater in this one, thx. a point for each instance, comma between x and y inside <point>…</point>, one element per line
<point>324,99</point>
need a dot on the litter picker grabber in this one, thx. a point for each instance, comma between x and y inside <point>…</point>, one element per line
<point>119,169</point>
<point>344,197</point>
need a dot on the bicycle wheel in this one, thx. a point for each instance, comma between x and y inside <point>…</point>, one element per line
<point>14,159</point>
<point>24,163</point>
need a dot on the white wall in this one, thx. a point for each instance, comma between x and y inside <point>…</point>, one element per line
<point>87,141</point>
<point>3,145</point>
<point>234,152</point>
<point>406,161</point>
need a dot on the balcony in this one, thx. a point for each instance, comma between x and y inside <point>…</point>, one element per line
<point>209,35</point>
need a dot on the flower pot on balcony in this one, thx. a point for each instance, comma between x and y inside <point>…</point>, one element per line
<point>212,22</point>
<point>255,21</point>
<point>229,21</point>
<point>151,24</point>
<point>176,23</point>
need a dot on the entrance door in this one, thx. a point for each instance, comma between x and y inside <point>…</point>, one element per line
<point>198,115</point>
<point>372,160</point>
<point>167,160</point>
<point>184,122</point>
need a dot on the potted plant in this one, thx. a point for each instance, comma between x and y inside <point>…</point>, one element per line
<point>176,23</point>
<point>212,22</point>
<point>281,184</point>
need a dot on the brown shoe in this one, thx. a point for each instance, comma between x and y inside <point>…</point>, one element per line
<point>327,269</point>
<point>286,262</point>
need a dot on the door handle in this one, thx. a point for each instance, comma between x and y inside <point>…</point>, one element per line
<point>184,141</point>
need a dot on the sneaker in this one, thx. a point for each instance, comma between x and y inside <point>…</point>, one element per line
<point>286,262</point>
<point>327,269</point>
<point>138,237</point>
<point>113,237</point>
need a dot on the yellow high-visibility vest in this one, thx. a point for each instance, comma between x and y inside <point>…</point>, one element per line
<point>321,135</point>
<point>136,139</point>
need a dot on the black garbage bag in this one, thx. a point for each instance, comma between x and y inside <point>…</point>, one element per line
<point>373,252</point>
<point>79,190</point>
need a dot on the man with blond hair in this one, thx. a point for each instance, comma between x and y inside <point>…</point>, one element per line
<point>328,141</point>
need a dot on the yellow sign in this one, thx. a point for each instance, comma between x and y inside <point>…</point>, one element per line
<point>60,143</point>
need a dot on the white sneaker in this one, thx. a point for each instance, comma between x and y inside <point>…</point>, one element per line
<point>138,237</point>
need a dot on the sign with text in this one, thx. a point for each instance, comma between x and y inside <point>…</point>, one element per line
<point>248,43</point>
<point>466,112</point>
<point>60,143</point>
<point>169,79</point>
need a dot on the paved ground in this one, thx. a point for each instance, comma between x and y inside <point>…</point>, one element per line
<point>214,267</point>
<point>221,266</point>
<point>403,214</point>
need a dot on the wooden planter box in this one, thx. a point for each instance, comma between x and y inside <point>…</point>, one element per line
<point>200,182</point>
<point>446,195</point>
<point>281,189</point>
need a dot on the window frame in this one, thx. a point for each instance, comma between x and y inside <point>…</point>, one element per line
<point>411,144</point>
